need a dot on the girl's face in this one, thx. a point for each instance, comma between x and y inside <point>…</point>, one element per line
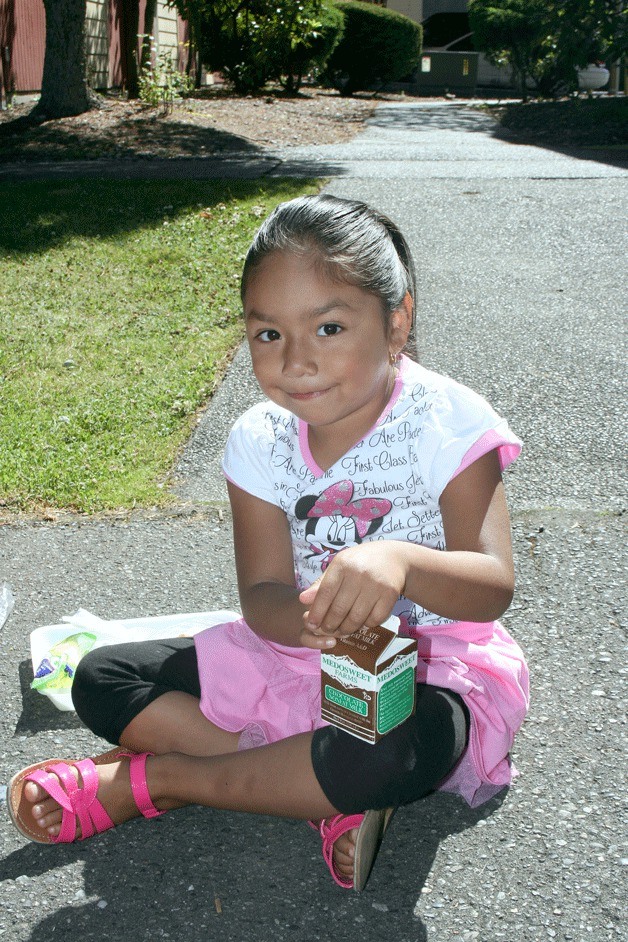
<point>320,348</point>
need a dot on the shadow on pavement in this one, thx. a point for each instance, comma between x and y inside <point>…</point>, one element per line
<point>434,118</point>
<point>229,166</point>
<point>38,712</point>
<point>603,155</point>
<point>208,874</point>
<point>471,119</point>
<point>569,127</point>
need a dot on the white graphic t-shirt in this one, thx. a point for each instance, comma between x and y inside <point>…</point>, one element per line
<point>387,487</point>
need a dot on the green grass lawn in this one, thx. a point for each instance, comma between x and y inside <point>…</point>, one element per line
<point>119,310</point>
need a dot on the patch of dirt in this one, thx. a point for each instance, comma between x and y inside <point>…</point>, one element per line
<point>216,123</point>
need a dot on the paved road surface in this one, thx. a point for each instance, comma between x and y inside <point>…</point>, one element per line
<point>521,260</point>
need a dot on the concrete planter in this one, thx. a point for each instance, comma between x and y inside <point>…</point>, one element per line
<point>593,77</point>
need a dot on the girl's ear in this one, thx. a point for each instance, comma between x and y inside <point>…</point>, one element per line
<point>401,324</point>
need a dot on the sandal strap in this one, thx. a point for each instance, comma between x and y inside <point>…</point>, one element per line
<point>331,829</point>
<point>91,814</point>
<point>139,786</point>
<point>76,801</point>
<point>81,802</point>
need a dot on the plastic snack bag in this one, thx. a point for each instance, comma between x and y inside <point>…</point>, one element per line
<point>55,653</point>
<point>7,601</point>
<point>56,671</point>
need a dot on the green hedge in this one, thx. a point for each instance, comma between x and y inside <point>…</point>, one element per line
<point>291,60</point>
<point>378,45</point>
<point>253,41</point>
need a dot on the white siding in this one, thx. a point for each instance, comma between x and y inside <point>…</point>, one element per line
<point>96,43</point>
<point>167,31</point>
<point>492,76</point>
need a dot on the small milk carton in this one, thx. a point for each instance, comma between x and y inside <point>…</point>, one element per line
<point>368,682</point>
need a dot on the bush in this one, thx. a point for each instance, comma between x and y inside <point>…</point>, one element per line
<point>299,52</point>
<point>378,45</point>
<point>545,41</point>
<point>160,81</point>
<point>252,41</point>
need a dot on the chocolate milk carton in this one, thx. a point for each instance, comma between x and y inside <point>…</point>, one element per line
<point>368,682</point>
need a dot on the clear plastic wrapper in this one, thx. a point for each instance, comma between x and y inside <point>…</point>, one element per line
<point>50,644</point>
<point>7,601</point>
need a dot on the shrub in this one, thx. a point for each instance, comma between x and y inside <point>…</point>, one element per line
<point>160,81</point>
<point>378,45</point>
<point>545,41</point>
<point>299,51</point>
<point>252,41</point>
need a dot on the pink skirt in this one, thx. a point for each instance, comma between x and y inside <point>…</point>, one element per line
<point>255,687</point>
<point>267,692</point>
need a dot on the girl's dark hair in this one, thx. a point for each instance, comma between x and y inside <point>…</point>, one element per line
<point>355,244</point>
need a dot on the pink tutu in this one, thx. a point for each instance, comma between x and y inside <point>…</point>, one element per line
<point>264,690</point>
<point>267,691</point>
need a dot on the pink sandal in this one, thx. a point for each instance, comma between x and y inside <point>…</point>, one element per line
<point>77,801</point>
<point>371,828</point>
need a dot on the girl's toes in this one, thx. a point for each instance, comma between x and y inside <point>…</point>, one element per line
<point>345,845</point>
<point>344,852</point>
<point>47,806</point>
<point>44,811</point>
<point>33,792</point>
<point>345,870</point>
<point>50,826</point>
<point>47,814</point>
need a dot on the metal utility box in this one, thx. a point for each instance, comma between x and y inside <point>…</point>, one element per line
<point>440,72</point>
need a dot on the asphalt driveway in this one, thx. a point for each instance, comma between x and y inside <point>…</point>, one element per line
<point>520,254</point>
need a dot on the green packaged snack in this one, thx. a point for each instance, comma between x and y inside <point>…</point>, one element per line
<point>56,671</point>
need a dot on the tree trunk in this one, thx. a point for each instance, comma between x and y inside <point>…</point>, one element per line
<point>149,19</point>
<point>130,23</point>
<point>64,89</point>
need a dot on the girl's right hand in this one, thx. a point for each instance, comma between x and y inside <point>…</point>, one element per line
<point>472,580</point>
<point>360,587</point>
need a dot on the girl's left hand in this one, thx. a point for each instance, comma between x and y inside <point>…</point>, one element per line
<point>360,587</point>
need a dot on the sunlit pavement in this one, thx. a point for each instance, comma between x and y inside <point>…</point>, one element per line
<point>520,258</point>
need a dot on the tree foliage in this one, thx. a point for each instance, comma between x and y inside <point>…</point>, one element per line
<point>545,41</point>
<point>378,45</point>
<point>302,41</point>
<point>252,41</point>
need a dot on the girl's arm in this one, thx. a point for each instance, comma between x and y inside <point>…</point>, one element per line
<point>472,580</point>
<point>265,569</point>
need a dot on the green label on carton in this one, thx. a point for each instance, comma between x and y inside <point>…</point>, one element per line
<point>395,701</point>
<point>346,700</point>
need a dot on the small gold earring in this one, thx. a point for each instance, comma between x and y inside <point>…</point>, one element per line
<point>394,358</point>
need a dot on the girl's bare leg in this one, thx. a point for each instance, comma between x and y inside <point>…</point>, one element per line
<point>195,762</point>
<point>174,723</point>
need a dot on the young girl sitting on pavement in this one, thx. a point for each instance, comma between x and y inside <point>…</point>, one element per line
<point>366,485</point>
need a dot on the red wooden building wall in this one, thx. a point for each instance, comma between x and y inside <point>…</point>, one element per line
<point>23,39</point>
<point>22,42</point>
<point>116,31</point>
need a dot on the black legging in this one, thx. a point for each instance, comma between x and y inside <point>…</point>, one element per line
<point>113,684</point>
